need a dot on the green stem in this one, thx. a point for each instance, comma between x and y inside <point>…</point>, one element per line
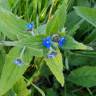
<point>90,92</point>
<point>8,43</point>
<point>22,52</point>
<point>39,90</point>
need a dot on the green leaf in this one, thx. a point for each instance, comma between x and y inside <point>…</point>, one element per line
<point>56,23</point>
<point>21,88</point>
<point>56,67</point>
<point>2,60</point>
<point>4,4</point>
<point>11,26</point>
<point>43,12</point>
<point>34,43</point>
<point>72,44</point>
<point>88,14</point>
<point>83,3</point>
<point>75,23</point>
<point>81,58</point>
<point>10,93</point>
<point>51,92</point>
<point>91,37</point>
<point>11,72</point>
<point>34,3</point>
<point>84,76</point>
<point>42,29</point>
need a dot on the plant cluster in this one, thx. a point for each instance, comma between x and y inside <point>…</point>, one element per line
<point>47,47</point>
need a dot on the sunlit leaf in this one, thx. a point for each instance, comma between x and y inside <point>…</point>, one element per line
<point>56,67</point>
<point>56,23</point>
<point>11,72</point>
<point>11,26</point>
<point>72,44</point>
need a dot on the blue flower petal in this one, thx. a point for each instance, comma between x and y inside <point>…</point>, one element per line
<point>52,55</point>
<point>61,41</point>
<point>18,62</point>
<point>30,26</point>
<point>47,42</point>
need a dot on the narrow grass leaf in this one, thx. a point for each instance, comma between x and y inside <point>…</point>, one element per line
<point>56,23</point>
<point>88,14</point>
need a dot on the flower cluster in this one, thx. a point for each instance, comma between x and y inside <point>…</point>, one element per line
<point>48,41</point>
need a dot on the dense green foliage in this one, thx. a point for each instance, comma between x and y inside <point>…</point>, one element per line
<point>72,70</point>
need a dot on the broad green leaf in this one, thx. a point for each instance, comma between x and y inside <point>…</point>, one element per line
<point>4,4</point>
<point>42,29</point>
<point>2,60</point>
<point>84,76</point>
<point>21,88</point>
<point>11,72</point>
<point>11,26</point>
<point>56,23</point>
<point>75,23</point>
<point>33,43</point>
<point>72,44</point>
<point>11,92</point>
<point>81,58</point>
<point>88,14</point>
<point>56,67</point>
<point>83,3</point>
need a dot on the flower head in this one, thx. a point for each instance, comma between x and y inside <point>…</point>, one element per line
<point>61,41</point>
<point>52,55</point>
<point>55,37</point>
<point>30,26</point>
<point>18,62</point>
<point>47,42</point>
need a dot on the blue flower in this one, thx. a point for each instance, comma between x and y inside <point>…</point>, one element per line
<point>18,62</point>
<point>52,55</point>
<point>47,42</point>
<point>30,26</point>
<point>61,41</point>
